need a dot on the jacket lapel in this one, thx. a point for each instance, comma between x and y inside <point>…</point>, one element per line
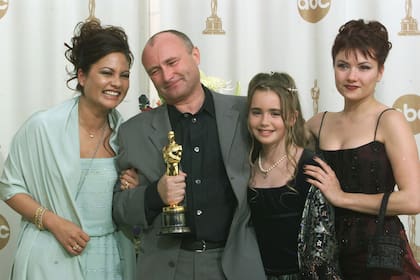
<point>160,126</point>
<point>226,119</point>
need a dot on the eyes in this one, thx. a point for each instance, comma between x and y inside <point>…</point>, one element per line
<point>169,63</point>
<point>346,66</point>
<point>272,112</point>
<point>109,72</point>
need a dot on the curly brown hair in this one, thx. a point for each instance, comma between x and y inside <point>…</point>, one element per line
<point>91,42</point>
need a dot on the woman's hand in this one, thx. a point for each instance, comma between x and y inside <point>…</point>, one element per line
<point>324,178</point>
<point>70,236</point>
<point>129,179</point>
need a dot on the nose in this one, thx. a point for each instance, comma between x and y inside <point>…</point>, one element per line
<point>116,81</point>
<point>167,73</point>
<point>352,74</point>
<point>264,119</point>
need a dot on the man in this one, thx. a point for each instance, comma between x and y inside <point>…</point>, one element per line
<point>213,173</point>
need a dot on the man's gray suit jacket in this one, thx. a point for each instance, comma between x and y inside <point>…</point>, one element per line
<point>141,140</point>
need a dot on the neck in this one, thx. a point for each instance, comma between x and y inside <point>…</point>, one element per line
<point>359,107</point>
<point>271,153</point>
<point>192,104</point>
<point>93,123</point>
<point>91,119</point>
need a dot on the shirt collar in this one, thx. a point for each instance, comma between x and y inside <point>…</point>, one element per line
<point>208,106</point>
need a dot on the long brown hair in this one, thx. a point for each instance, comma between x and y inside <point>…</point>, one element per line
<point>285,88</point>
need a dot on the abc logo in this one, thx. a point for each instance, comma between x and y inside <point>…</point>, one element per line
<point>409,105</point>
<point>313,10</point>
<point>4,232</point>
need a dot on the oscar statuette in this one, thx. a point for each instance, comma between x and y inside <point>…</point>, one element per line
<point>173,216</point>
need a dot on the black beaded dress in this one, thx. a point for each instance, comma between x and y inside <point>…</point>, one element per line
<point>365,169</point>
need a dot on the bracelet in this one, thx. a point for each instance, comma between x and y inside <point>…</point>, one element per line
<point>39,213</point>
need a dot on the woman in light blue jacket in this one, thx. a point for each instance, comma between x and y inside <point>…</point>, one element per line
<point>60,172</point>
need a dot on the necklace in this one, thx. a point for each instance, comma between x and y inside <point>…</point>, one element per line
<point>83,177</point>
<point>266,171</point>
<point>91,134</point>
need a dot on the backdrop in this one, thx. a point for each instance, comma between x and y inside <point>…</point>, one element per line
<point>236,38</point>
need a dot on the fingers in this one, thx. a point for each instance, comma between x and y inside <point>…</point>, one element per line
<point>324,166</point>
<point>172,188</point>
<point>129,179</point>
<point>78,243</point>
<point>76,249</point>
<point>125,185</point>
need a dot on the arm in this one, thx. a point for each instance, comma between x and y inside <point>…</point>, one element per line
<point>402,151</point>
<point>140,147</point>
<point>168,190</point>
<point>66,232</point>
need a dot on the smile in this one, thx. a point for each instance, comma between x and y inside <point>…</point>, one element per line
<point>112,93</point>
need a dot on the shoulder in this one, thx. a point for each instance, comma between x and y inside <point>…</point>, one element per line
<point>144,117</point>
<point>224,102</point>
<point>45,121</point>
<point>392,123</point>
<point>314,123</point>
<point>307,157</point>
<point>228,98</point>
<point>55,115</point>
<point>391,115</point>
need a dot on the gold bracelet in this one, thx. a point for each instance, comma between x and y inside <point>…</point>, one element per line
<point>39,213</point>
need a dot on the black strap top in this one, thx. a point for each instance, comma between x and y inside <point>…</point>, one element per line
<point>364,169</point>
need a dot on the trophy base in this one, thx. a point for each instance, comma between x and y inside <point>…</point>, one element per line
<point>173,220</point>
<point>213,26</point>
<point>409,27</point>
<point>174,230</point>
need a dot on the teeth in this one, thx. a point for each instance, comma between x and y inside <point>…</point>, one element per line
<point>113,93</point>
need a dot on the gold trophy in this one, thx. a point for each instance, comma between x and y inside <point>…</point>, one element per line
<point>173,216</point>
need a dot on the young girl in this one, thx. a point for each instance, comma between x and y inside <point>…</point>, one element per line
<point>278,188</point>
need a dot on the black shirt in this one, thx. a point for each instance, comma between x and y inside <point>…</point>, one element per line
<point>276,215</point>
<point>210,201</point>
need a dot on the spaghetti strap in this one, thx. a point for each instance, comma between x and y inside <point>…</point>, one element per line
<point>320,126</point>
<point>317,140</point>
<point>377,122</point>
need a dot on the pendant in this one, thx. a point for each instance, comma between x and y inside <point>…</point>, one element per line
<point>265,174</point>
<point>91,136</point>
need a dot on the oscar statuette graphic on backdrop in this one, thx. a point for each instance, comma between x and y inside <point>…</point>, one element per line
<point>408,23</point>
<point>4,5</point>
<point>173,216</point>
<point>213,22</point>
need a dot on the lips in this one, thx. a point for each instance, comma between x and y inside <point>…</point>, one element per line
<point>264,132</point>
<point>111,93</point>
<point>351,87</point>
